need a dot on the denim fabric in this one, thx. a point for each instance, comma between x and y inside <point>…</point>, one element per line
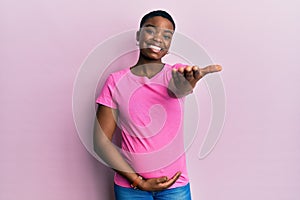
<point>179,193</point>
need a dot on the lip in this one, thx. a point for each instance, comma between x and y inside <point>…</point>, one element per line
<point>155,48</point>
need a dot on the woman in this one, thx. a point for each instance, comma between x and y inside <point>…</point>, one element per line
<point>146,102</point>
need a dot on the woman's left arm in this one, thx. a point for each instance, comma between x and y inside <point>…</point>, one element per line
<point>184,79</point>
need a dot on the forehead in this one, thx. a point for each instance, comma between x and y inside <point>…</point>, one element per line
<point>159,22</point>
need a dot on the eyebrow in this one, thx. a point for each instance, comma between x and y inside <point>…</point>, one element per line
<point>165,30</point>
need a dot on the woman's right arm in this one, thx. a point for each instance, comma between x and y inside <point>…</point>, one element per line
<point>104,128</point>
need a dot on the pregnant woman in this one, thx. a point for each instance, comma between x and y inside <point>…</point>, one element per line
<point>146,102</point>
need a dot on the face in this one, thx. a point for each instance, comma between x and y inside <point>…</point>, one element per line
<point>155,37</point>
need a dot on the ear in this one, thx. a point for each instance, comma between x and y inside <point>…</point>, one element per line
<point>137,37</point>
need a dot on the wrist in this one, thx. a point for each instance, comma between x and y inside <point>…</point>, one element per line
<point>136,182</point>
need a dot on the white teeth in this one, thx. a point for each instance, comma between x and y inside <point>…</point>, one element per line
<point>155,47</point>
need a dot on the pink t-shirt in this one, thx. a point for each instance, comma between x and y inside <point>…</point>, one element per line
<point>151,123</point>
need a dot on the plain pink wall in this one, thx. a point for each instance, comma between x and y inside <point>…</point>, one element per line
<point>43,45</point>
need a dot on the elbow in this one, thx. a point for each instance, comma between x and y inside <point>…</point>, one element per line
<point>96,146</point>
<point>100,142</point>
<point>96,143</point>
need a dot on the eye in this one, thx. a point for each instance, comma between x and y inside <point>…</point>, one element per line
<point>167,37</point>
<point>150,31</point>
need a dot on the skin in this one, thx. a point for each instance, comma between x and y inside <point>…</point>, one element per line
<point>156,31</point>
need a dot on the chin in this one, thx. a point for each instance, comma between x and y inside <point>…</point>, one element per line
<point>153,56</point>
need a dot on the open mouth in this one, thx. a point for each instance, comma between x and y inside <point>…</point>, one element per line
<point>154,48</point>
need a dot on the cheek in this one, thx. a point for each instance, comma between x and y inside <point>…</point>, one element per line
<point>168,44</point>
<point>145,37</point>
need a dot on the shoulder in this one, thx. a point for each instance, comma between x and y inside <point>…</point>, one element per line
<point>117,75</point>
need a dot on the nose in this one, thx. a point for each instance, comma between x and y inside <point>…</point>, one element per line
<point>157,37</point>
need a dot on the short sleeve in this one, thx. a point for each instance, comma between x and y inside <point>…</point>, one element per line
<point>106,95</point>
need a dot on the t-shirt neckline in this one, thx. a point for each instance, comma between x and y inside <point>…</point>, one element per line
<point>145,78</point>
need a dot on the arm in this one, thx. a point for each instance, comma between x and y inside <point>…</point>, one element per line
<point>184,80</point>
<point>104,128</point>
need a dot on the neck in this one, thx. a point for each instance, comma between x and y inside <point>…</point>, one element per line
<point>144,60</point>
<point>147,67</point>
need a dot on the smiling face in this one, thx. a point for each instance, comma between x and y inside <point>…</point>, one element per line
<point>155,38</point>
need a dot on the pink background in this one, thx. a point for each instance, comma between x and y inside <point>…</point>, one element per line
<point>43,45</point>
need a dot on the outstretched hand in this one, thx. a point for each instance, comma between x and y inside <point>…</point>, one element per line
<point>157,184</point>
<point>185,78</point>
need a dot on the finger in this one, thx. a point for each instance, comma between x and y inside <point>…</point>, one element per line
<point>162,179</point>
<point>196,72</point>
<point>188,73</point>
<point>181,75</point>
<point>176,176</point>
<point>188,68</point>
<point>211,69</point>
<point>172,180</point>
<point>181,70</point>
<point>214,68</point>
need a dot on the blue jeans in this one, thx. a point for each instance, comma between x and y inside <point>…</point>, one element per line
<point>179,193</point>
